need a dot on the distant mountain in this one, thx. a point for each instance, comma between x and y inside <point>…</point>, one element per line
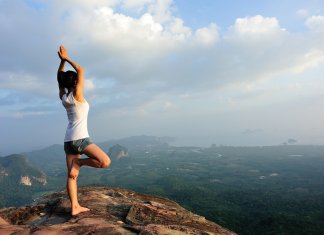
<point>19,179</point>
<point>117,152</point>
<point>50,159</point>
<point>17,168</point>
<point>139,142</point>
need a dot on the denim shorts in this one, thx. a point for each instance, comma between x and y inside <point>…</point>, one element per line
<point>76,146</point>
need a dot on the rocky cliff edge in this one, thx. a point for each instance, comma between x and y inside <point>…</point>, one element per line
<point>114,211</point>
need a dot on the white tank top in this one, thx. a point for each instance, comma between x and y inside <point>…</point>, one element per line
<point>77,113</point>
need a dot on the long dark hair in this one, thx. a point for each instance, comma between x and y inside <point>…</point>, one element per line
<point>67,79</point>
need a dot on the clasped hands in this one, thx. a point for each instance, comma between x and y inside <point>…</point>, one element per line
<point>62,53</point>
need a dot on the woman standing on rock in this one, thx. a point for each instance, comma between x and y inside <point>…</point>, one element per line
<point>76,141</point>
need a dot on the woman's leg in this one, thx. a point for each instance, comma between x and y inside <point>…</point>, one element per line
<point>71,185</point>
<point>97,158</point>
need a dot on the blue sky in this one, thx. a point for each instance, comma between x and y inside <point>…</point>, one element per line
<point>222,72</point>
<point>199,13</point>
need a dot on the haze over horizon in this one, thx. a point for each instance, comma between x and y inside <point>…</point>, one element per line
<point>204,72</point>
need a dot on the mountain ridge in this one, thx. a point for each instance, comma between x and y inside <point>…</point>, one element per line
<point>16,166</point>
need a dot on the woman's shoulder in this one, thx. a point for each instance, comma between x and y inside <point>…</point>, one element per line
<point>78,98</point>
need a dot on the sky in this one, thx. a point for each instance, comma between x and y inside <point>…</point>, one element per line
<point>235,72</point>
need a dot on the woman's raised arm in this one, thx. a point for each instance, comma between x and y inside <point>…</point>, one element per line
<point>78,92</point>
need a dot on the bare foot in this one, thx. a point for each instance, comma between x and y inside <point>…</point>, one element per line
<point>75,168</point>
<point>79,209</point>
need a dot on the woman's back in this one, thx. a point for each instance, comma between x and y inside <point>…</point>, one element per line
<point>77,113</point>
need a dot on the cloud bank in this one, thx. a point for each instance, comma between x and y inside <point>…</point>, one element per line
<point>141,59</point>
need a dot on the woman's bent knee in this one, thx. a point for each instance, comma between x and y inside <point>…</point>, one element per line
<point>106,163</point>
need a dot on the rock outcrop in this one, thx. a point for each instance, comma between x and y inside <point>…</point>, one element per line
<point>117,152</point>
<point>113,211</point>
<point>25,180</point>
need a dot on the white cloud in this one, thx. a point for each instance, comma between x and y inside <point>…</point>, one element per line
<point>89,85</point>
<point>257,25</point>
<point>84,4</point>
<point>112,31</point>
<point>26,114</point>
<point>139,4</point>
<point>153,64</point>
<point>161,10</point>
<point>144,52</point>
<point>303,13</point>
<point>164,54</point>
<point>315,23</point>
<point>26,82</point>
<point>179,30</point>
<point>312,59</point>
<point>207,35</point>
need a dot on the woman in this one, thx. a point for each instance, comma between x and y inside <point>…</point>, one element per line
<point>77,141</point>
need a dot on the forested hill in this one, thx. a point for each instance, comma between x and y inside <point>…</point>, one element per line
<point>250,190</point>
<point>19,179</point>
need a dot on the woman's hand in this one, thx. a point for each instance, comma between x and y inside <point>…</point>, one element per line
<point>62,53</point>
